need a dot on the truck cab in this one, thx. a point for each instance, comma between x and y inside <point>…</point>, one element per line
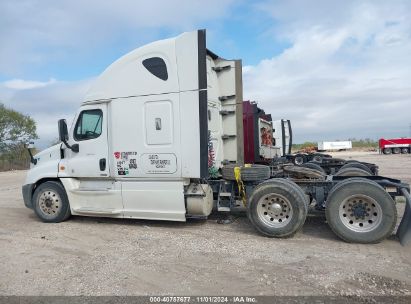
<point>147,133</point>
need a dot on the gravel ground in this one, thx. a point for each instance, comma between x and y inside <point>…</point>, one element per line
<point>98,256</point>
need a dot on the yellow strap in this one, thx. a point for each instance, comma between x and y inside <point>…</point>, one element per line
<point>237,174</point>
<point>241,188</point>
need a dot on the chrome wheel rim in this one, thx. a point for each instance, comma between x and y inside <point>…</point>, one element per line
<point>360,213</point>
<point>274,210</point>
<point>299,160</point>
<point>49,203</point>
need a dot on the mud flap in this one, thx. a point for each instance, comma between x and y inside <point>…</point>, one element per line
<point>404,230</point>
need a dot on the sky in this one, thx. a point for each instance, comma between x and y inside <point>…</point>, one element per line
<point>336,69</point>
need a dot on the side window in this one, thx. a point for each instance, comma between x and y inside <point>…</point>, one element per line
<point>157,67</point>
<point>88,125</point>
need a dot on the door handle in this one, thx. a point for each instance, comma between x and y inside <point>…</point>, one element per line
<point>102,163</point>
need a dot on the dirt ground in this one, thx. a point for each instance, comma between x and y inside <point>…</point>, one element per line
<point>97,256</point>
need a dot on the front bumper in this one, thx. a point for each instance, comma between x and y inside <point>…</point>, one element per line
<point>27,191</point>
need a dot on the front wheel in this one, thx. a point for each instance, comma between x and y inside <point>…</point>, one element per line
<point>360,211</point>
<point>50,202</point>
<point>278,208</point>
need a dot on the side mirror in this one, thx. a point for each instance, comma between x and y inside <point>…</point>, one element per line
<point>63,132</point>
<point>63,136</point>
<point>29,146</point>
<point>75,148</point>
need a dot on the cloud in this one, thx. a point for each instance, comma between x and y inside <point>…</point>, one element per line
<point>21,84</point>
<point>70,37</point>
<point>46,103</point>
<point>37,33</point>
<point>346,73</point>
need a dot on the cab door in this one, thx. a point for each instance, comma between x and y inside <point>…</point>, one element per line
<point>89,131</point>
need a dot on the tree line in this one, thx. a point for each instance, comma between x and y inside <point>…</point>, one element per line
<point>16,129</point>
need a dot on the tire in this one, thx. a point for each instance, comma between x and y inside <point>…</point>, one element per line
<point>387,151</point>
<point>288,208</point>
<point>318,158</point>
<point>299,159</point>
<point>404,151</point>
<point>50,202</point>
<point>377,214</point>
<point>352,172</point>
<point>314,166</point>
<point>396,150</point>
<point>303,172</point>
<point>358,165</point>
<point>253,173</point>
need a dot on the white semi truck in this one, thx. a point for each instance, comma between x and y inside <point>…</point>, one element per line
<point>160,136</point>
<point>334,145</point>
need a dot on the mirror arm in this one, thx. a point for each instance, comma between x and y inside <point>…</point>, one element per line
<point>74,148</point>
<point>32,159</point>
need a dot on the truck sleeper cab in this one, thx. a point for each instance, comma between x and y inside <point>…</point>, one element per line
<point>160,136</point>
<point>142,136</point>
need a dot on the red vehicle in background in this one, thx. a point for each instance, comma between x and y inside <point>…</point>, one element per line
<point>395,145</point>
<point>264,139</point>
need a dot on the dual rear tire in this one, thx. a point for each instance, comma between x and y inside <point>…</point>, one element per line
<point>354,169</point>
<point>357,210</point>
<point>360,211</point>
<point>278,208</point>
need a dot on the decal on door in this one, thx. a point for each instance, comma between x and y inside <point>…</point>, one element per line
<point>159,163</point>
<point>126,162</point>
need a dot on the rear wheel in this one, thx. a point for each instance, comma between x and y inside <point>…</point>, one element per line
<point>278,208</point>
<point>396,150</point>
<point>360,211</point>
<point>352,172</point>
<point>387,151</point>
<point>313,166</point>
<point>356,164</point>
<point>404,150</point>
<point>50,202</point>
